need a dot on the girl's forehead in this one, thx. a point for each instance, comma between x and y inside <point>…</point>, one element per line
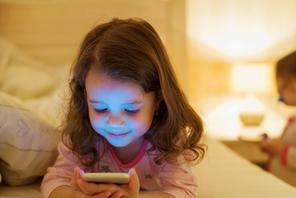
<point>100,85</point>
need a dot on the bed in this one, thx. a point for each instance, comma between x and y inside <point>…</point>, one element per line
<point>36,50</point>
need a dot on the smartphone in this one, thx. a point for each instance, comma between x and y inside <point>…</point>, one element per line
<point>107,178</point>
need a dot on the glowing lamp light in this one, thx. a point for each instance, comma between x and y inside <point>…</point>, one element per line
<point>225,27</point>
<point>251,111</point>
<point>251,78</point>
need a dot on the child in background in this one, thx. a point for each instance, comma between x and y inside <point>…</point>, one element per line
<point>283,150</point>
<point>126,112</point>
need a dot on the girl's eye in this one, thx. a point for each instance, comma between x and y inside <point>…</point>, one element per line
<point>101,110</point>
<point>131,110</point>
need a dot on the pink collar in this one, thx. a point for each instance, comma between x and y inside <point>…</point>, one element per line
<point>134,161</point>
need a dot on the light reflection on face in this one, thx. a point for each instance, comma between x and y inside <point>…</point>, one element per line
<point>119,111</point>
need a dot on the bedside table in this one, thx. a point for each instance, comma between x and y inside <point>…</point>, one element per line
<point>221,115</point>
<point>249,150</point>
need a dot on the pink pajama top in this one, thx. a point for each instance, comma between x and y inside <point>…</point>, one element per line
<point>175,179</point>
<point>284,165</point>
<point>288,154</point>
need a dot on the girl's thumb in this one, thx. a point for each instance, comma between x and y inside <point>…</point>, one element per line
<point>134,183</point>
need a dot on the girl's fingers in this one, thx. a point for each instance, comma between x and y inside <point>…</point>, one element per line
<point>75,177</point>
<point>117,194</point>
<point>134,183</point>
<point>105,194</point>
<point>92,188</point>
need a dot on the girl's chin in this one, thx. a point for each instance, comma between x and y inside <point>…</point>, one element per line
<point>117,141</point>
<point>118,144</point>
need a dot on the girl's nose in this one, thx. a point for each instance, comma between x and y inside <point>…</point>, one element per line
<point>115,120</point>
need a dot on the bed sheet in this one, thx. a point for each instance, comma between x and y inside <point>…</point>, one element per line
<point>26,191</point>
<point>222,174</point>
<point>225,174</point>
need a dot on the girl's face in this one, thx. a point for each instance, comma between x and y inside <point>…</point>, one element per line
<point>287,90</point>
<point>119,111</point>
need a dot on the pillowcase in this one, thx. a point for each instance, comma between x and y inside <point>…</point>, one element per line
<point>20,80</point>
<point>27,142</point>
<point>19,73</point>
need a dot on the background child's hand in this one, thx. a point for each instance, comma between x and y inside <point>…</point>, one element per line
<point>272,146</point>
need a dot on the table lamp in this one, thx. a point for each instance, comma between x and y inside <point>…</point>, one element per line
<point>251,80</point>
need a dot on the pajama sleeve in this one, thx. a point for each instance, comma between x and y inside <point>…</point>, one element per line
<point>178,180</point>
<point>61,172</point>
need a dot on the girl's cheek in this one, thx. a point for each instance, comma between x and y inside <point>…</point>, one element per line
<point>139,123</point>
<point>96,119</point>
<point>96,115</point>
<point>135,119</point>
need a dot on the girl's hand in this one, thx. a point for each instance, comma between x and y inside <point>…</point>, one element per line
<point>272,146</point>
<point>83,189</point>
<point>91,190</point>
<point>130,190</point>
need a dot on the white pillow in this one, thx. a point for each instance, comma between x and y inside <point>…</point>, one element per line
<point>52,107</point>
<point>26,82</point>
<point>23,76</point>
<point>27,142</point>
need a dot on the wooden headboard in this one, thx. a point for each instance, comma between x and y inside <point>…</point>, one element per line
<point>52,30</point>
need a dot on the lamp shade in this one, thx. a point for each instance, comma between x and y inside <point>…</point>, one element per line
<point>251,78</point>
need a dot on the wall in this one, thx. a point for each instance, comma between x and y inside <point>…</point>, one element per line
<point>52,30</point>
<point>223,32</point>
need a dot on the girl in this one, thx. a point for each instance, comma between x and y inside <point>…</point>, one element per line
<point>283,150</point>
<point>126,112</point>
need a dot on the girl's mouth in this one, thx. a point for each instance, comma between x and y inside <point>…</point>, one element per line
<point>117,134</point>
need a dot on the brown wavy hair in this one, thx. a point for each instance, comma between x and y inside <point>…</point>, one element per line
<point>131,50</point>
<point>286,66</point>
